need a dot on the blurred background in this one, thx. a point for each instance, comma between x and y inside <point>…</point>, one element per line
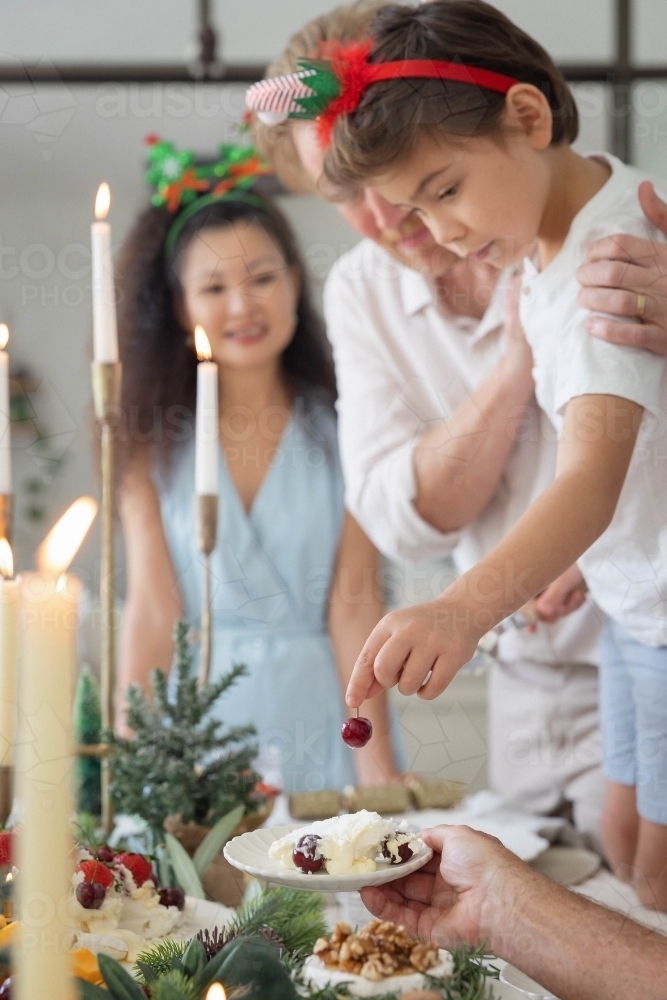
<point>82,83</point>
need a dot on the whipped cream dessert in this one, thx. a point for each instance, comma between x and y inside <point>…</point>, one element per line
<point>142,910</point>
<point>346,845</point>
<point>123,946</point>
<point>101,914</point>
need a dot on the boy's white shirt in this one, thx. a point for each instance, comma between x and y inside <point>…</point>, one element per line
<point>404,366</point>
<point>626,568</point>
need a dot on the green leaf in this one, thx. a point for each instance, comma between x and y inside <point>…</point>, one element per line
<point>253,962</point>
<point>90,992</point>
<point>216,838</point>
<point>120,983</point>
<point>149,974</point>
<point>193,958</point>
<point>184,869</point>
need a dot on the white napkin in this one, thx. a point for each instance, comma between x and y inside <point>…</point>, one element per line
<point>522,833</point>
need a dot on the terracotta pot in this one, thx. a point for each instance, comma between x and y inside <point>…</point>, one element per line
<point>221,881</point>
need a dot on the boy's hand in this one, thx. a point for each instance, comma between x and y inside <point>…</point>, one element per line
<point>408,645</point>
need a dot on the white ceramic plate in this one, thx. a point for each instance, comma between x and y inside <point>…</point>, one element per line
<point>250,853</point>
<point>524,984</point>
<point>567,865</point>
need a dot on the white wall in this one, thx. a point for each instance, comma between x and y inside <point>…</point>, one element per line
<point>127,30</point>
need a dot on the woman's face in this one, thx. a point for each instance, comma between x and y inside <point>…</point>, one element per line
<point>237,285</point>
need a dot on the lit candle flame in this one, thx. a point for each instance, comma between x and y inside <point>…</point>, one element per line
<point>216,992</point>
<point>4,335</point>
<point>6,559</point>
<point>62,542</point>
<point>102,201</point>
<point>202,344</point>
<point>10,877</point>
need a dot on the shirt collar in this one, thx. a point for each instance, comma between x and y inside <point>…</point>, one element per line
<point>417,293</point>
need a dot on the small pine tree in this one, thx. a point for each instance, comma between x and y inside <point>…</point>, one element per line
<point>88,730</point>
<point>180,761</point>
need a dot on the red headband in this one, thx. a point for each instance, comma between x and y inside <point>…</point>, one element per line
<point>333,84</point>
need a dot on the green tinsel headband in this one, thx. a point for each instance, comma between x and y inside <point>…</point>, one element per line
<point>184,188</point>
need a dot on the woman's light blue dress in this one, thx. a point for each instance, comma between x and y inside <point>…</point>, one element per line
<point>272,570</point>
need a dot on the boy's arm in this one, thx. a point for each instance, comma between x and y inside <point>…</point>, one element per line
<point>594,453</point>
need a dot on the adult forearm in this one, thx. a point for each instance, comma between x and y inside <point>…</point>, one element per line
<point>552,534</point>
<point>459,463</point>
<point>552,934</point>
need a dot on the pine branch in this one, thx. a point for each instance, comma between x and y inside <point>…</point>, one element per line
<point>158,960</point>
<point>296,917</point>
<point>181,760</point>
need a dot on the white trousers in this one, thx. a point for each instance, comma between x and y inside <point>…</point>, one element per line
<point>544,741</point>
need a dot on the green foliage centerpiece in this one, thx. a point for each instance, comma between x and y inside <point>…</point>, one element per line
<point>181,761</point>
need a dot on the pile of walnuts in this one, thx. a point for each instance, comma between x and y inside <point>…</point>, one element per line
<point>379,950</point>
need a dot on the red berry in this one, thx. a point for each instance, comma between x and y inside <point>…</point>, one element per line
<point>6,849</point>
<point>357,731</point>
<point>96,871</point>
<point>172,896</point>
<point>105,853</point>
<point>306,854</point>
<point>90,895</point>
<point>139,866</point>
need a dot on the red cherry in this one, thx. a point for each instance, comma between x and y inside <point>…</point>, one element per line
<point>90,895</point>
<point>357,731</point>
<point>306,855</point>
<point>105,853</point>
<point>172,896</point>
<point>6,989</point>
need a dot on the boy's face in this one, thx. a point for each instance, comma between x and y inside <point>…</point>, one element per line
<point>397,230</point>
<point>481,199</point>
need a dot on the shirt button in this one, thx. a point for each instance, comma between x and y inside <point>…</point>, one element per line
<point>525,290</point>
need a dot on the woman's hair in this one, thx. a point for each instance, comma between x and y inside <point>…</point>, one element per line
<point>391,115</point>
<point>159,363</point>
<point>342,24</point>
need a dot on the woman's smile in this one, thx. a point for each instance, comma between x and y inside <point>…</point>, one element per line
<point>247,334</point>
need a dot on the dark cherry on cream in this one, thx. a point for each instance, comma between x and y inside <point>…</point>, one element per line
<point>306,854</point>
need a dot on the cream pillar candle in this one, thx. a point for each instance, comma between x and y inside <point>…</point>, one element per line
<point>5,434</point>
<point>105,334</point>
<point>45,756</point>
<point>9,623</point>
<point>206,424</point>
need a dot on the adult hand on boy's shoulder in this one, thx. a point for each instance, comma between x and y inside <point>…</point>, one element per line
<point>436,638</point>
<point>627,276</point>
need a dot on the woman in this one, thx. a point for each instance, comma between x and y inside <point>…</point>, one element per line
<point>294,594</point>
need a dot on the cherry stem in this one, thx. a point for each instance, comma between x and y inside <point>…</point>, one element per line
<point>357,711</point>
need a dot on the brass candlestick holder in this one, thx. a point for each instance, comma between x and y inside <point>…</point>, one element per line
<point>207,535</point>
<point>106,397</point>
<point>6,773</point>
<point>6,516</point>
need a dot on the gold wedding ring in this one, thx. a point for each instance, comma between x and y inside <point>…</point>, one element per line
<point>641,305</point>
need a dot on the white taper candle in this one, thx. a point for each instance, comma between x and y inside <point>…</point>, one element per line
<point>9,626</point>
<point>206,424</point>
<point>105,334</point>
